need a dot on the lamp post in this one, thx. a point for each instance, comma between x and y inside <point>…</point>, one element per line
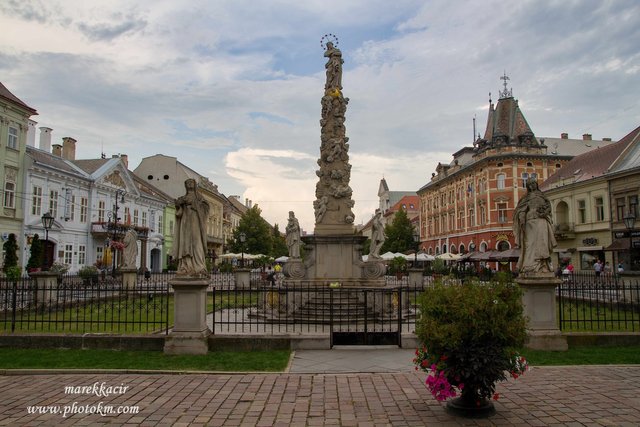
<point>629,223</point>
<point>416,241</point>
<point>112,225</point>
<point>47,223</point>
<point>243,238</point>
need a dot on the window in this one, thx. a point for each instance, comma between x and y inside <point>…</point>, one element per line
<point>633,205</point>
<point>620,208</point>
<point>472,218</point>
<point>53,203</point>
<point>127,215</point>
<point>501,180</point>
<point>101,209</point>
<point>461,220</point>
<point>525,177</point>
<point>68,254</point>
<point>99,253</point>
<point>84,204</point>
<point>72,207</point>
<point>582,211</point>
<point>82,254</point>
<point>171,228</point>
<point>136,213</point>
<point>502,213</point>
<point>160,225</point>
<point>144,219</point>
<point>36,201</point>
<point>13,138</point>
<point>599,205</point>
<point>9,194</point>
<point>452,221</point>
<point>483,215</point>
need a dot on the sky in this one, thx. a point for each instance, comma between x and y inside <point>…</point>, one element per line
<point>232,89</point>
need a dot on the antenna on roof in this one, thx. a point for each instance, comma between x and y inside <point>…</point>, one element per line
<point>102,155</point>
<point>474,129</point>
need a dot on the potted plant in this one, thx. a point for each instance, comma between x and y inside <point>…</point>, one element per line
<point>36,255</point>
<point>398,266</point>
<point>88,274</point>
<point>470,335</point>
<point>60,269</point>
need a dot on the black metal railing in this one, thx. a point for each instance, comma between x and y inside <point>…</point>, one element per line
<point>589,302</point>
<point>74,304</point>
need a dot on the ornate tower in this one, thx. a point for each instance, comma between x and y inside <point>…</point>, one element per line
<point>333,194</point>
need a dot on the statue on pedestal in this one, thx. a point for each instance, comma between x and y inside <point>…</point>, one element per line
<point>377,236</point>
<point>190,241</point>
<point>533,231</point>
<point>130,251</point>
<point>293,236</point>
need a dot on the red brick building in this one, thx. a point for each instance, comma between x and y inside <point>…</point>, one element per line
<point>469,203</point>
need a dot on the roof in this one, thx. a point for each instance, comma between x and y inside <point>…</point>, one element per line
<point>44,158</point>
<point>237,204</point>
<point>407,201</point>
<point>6,94</point>
<point>90,165</point>
<point>592,164</point>
<point>507,121</point>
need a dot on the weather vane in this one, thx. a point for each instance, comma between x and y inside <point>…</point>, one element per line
<point>506,93</point>
<point>329,38</point>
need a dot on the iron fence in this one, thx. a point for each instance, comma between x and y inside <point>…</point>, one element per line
<point>589,302</point>
<point>74,304</point>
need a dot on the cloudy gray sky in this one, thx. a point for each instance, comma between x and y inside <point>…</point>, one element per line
<point>232,88</point>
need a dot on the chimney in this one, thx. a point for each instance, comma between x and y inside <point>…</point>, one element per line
<point>31,133</point>
<point>564,135</point>
<point>125,160</point>
<point>68,148</point>
<point>56,150</point>
<point>45,139</point>
<point>586,137</point>
<point>606,139</point>
<point>246,201</point>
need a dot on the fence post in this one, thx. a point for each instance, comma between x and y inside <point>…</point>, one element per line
<point>14,305</point>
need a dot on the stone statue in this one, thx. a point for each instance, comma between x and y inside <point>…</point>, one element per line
<point>190,241</point>
<point>130,251</point>
<point>533,231</point>
<point>293,236</point>
<point>377,236</point>
<point>333,67</point>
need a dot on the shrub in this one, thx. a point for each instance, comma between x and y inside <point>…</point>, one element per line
<point>470,335</point>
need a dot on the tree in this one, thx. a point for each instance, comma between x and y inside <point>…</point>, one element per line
<point>399,234</point>
<point>259,239</point>
<point>37,253</point>
<point>279,243</point>
<point>10,253</point>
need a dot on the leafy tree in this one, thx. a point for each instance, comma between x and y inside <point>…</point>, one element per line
<point>279,243</point>
<point>399,234</point>
<point>10,253</point>
<point>259,239</point>
<point>37,253</point>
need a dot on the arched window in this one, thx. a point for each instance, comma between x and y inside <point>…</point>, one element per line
<point>501,178</point>
<point>503,245</point>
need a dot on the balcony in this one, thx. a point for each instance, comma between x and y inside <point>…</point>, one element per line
<point>564,231</point>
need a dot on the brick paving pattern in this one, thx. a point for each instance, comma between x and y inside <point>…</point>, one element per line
<point>549,396</point>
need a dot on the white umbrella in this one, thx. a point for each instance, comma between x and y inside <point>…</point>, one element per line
<point>229,255</point>
<point>388,255</point>
<point>282,259</point>
<point>425,257</point>
<point>448,256</point>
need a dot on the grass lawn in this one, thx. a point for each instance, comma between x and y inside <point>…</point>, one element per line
<point>588,317</point>
<point>594,355</point>
<point>242,361</point>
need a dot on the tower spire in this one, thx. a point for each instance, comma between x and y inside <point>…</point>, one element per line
<point>506,93</point>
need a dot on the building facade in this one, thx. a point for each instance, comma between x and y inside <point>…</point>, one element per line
<point>468,204</point>
<point>14,130</point>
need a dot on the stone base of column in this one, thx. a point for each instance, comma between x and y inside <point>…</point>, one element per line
<point>190,331</point>
<point>539,300</point>
<point>187,343</point>
<point>129,278</point>
<point>242,277</point>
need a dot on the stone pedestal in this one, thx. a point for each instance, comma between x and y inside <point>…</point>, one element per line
<point>539,300</point>
<point>242,277</point>
<point>46,288</point>
<point>129,278</point>
<point>190,331</point>
<point>415,277</point>
<point>630,290</point>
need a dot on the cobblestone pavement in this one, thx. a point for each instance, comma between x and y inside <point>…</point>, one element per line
<point>563,396</point>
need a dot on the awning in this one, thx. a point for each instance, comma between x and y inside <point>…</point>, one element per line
<point>590,248</point>
<point>618,245</point>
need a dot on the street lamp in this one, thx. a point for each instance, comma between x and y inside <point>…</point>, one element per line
<point>416,241</point>
<point>47,223</point>
<point>243,238</point>
<point>629,223</point>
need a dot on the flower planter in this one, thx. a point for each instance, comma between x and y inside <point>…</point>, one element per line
<point>470,406</point>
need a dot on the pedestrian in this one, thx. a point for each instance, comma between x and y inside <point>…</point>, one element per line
<point>620,267</point>
<point>607,268</point>
<point>271,276</point>
<point>597,267</point>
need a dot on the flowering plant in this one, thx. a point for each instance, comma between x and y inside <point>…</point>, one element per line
<point>58,267</point>
<point>116,245</point>
<point>470,334</point>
